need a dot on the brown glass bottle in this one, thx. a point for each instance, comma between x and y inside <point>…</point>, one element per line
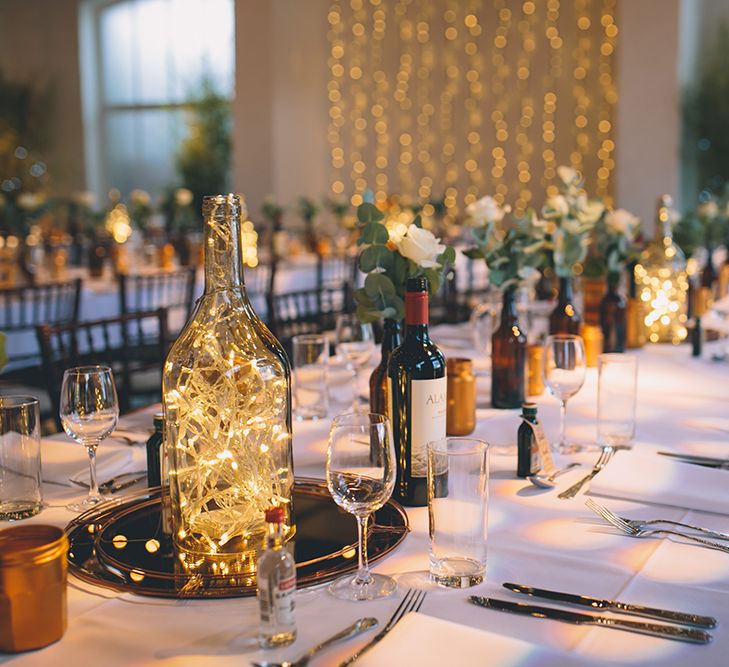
<point>391,338</point>
<point>565,319</point>
<point>508,357</point>
<point>709,275</point>
<point>612,316</point>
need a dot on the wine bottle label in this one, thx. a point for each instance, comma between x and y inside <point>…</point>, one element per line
<point>542,443</point>
<point>277,601</point>
<point>427,420</point>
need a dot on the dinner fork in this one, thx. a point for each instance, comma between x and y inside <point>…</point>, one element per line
<point>642,523</point>
<point>605,456</point>
<point>412,601</point>
<point>634,531</point>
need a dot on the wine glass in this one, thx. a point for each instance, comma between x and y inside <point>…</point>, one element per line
<point>355,343</point>
<point>89,412</point>
<point>361,477</point>
<point>564,375</point>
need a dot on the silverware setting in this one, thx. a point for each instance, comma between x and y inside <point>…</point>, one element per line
<point>412,601</point>
<point>691,635</point>
<point>706,461</point>
<point>605,455</point>
<point>598,604</point>
<point>642,523</point>
<point>117,483</point>
<point>636,531</point>
<point>357,628</point>
<point>547,481</point>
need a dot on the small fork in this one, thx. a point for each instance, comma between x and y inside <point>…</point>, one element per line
<point>412,601</point>
<point>635,531</point>
<point>605,456</point>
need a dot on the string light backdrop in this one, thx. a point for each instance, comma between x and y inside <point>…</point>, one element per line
<point>455,99</point>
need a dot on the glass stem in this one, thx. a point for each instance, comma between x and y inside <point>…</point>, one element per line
<point>562,420</point>
<point>363,572</point>
<point>93,482</point>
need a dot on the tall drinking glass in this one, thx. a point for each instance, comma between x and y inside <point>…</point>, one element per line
<point>564,375</point>
<point>20,458</point>
<point>617,386</point>
<point>311,361</point>
<point>458,476</point>
<point>89,412</point>
<point>361,477</point>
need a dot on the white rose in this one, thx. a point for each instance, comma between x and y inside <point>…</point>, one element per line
<point>396,230</point>
<point>708,209</point>
<point>485,210</point>
<point>421,246</point>
<point>555,207</point>
<point>183,197</point>
<point>139,197</point>
<point>568,175</point>
<point>621,222</point>
<point>588,210</point>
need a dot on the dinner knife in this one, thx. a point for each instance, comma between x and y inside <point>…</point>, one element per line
<point>708,461</point>
<point>691,635</point>
<point>614,605</point>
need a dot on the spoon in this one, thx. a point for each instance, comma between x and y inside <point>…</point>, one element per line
<point>358,627</point>
<point>547,481</point>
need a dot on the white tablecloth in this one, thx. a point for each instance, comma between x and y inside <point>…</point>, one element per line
<point>534,539</point>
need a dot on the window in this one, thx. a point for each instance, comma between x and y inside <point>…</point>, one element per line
<point>141,60</point>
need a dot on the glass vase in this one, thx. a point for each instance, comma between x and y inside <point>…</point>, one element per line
<point>565,319</point>
<point>227,403</point>
<point>508,357</point>
<point>613,317</point>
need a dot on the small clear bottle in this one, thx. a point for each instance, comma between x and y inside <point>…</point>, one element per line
<point>276,573</point>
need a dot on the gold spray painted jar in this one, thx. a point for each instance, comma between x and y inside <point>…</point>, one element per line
<point>33,569</point>
<point>461,406</point>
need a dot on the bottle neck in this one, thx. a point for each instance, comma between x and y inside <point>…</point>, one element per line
<point>223,259</point>
<point>416,315</point>
<point>565,290</point>
<point>391,337</point>
<point>274,536</point>
<point>508,311</point>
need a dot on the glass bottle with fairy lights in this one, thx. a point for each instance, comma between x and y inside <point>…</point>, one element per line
<point>227,405</point>
<point>661,281</point>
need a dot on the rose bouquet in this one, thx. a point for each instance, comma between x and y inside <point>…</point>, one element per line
<point>510,246</point>
<point>392,251</point>
<point>571,217</point>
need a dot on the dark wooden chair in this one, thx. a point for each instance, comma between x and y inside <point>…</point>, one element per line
<point>21,310</point>
<point>336,270</point>
<point>133,345</point>
<point>173,290</point>
<point>307,311</point>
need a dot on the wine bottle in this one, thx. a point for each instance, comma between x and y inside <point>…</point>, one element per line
<point>417,389</point>
<point>391,338</point>
<point>612,316</point>
<point>508,357</point>
<point>565,319</point>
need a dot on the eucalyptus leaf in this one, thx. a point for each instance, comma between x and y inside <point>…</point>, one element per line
<point>374,233</point>
<point>376,256</point>
<point>368,213</point>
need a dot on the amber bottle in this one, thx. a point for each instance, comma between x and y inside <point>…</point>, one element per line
<point>508,357</point>
<point>565,319</point>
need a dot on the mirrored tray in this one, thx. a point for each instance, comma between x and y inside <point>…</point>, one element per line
<point>120,544</point>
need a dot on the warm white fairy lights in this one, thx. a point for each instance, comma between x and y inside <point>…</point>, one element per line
<point>450,99</point>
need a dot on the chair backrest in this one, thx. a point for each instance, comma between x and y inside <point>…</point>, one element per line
<point>336,270</point>
<point>22,308</point>
<point>307,311</point>
<point>133,345</point>
<point>258,280</point>
<point>173,290</point>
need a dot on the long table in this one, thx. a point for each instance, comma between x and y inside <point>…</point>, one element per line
<point>534,539</point>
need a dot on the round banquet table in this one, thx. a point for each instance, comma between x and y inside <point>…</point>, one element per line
<point>534,539</point>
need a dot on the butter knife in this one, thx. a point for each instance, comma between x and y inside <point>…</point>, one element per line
<point>691,635</point>
<point>616,606</point>
<point>696,459</point>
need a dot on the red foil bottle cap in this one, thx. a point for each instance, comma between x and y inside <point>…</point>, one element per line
<point>416,301</point>
<point>275,515</point>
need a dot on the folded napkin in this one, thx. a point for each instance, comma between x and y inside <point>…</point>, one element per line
<point>661,480</point>
<point>63,461</point>
<point>426,641</point>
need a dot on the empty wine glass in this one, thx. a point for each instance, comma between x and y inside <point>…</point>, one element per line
<point>361,477</point>
<point>355,343</point>
<point>564,375</point>
<point>89,412</point>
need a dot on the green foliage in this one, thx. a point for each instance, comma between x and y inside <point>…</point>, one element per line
<point>706,116</point>
<point>387,269</point>
<point>204,160</point>
<point>308,209</point>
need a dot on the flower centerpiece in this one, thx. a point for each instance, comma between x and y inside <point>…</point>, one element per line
<point>570,218</point>
<point>391,251</point>
<point>511,247</point>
